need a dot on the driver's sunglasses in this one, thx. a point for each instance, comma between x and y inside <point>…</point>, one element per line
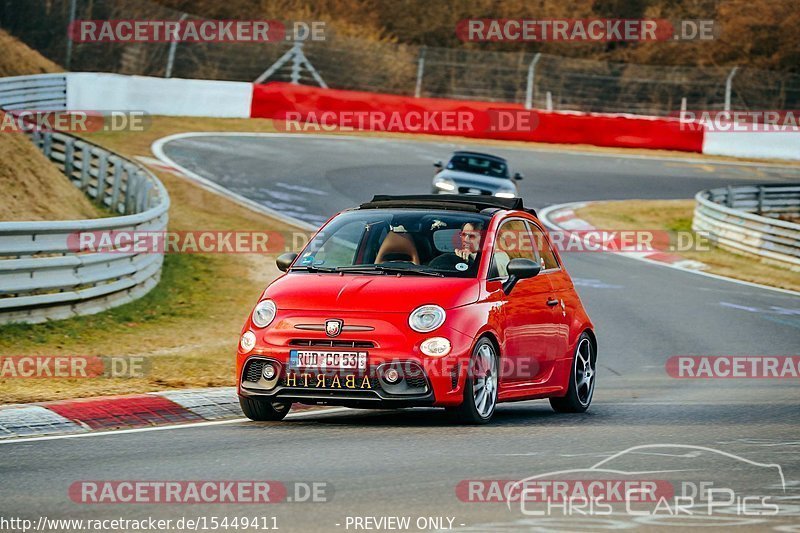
<point>471,234</point>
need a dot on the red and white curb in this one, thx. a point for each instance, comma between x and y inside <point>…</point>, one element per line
<point>562,217</point>
<point>159,165</point>
<point>120,412</point>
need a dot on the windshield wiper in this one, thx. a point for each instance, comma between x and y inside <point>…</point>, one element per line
<point>311,268</point>
<point>389,269</point>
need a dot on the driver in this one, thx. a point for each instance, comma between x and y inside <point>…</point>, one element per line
<point>467,253</point>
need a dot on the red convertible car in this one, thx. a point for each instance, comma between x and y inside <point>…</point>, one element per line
<point>458,302</point>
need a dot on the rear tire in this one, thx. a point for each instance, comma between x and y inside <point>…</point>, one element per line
<point>581,379</point>
<point>263,410</point>
<point>480,386</point>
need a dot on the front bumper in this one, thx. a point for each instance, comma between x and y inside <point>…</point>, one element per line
<point>388,343</point>
<point>364,389</point>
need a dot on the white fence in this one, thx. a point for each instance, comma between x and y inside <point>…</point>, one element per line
<point>759,220</point>
<point>42,275</point>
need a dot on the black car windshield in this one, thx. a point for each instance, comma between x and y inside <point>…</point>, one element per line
<point>478,165</point>
<point>398,241</point>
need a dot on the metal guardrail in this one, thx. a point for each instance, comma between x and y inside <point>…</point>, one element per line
<point>40,92</point>
<point>755,220</point>
<point>42,276</point>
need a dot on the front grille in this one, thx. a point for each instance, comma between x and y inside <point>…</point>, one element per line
<point>416,382</point>
<point>331,343</point>
<point>252,372</point>
<point>466,190</point>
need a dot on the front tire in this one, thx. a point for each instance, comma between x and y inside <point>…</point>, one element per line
<point>480,386</point>
<point>581,379</point>
<point>263,410</point>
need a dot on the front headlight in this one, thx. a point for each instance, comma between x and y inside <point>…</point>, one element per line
<point>426,318</point>
<point>444,184</point>
<point>435,347</point>
<point>248,341</point>
<point>264,313</point>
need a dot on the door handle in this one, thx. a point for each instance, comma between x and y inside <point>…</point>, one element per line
<point>552,301</point>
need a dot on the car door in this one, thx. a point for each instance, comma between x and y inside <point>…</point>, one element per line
<point>562,291</point>
<point>528,320</point>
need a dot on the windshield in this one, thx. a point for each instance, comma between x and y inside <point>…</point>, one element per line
<point>478,165</point>
<point>389,241</point>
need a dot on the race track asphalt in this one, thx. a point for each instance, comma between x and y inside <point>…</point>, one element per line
<point>409,463</point>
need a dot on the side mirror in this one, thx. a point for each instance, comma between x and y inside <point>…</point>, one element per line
<point>518,176</point>
<point>438,165</point>
<point>284,261</point>
<point>518,269</point>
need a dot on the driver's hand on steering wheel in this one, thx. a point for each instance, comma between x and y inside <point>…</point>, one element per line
<point>463,253</point>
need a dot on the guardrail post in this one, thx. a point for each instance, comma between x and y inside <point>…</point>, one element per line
<point>117,182</point>
<point>760,199</point>
<point>130,192</point>
<point>69,154</point>
<point>729,196</point>
<point>130,171</point>
<point>102,170</point>
<point>47,143</point>
<point>143,196</point>
<point>86,165</point>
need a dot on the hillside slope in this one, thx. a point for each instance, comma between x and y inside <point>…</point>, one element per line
<point>32,188</point>
<point>17,58</point>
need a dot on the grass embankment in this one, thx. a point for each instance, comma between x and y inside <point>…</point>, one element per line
<point>32,188</point>
<point>188,325</point>
<point>18,58</point>
<point>675,216</point>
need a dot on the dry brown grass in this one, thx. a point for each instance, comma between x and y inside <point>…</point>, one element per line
<point>676,215</point>
<point>33,189</point>
<point>17,58</point>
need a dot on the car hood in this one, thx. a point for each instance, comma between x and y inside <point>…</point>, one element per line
<point>475,180</point>
<point>372,293</point>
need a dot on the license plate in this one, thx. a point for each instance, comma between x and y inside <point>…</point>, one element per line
<point>328,360</point>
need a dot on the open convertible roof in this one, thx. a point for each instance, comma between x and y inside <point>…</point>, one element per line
<point>456,202</point>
